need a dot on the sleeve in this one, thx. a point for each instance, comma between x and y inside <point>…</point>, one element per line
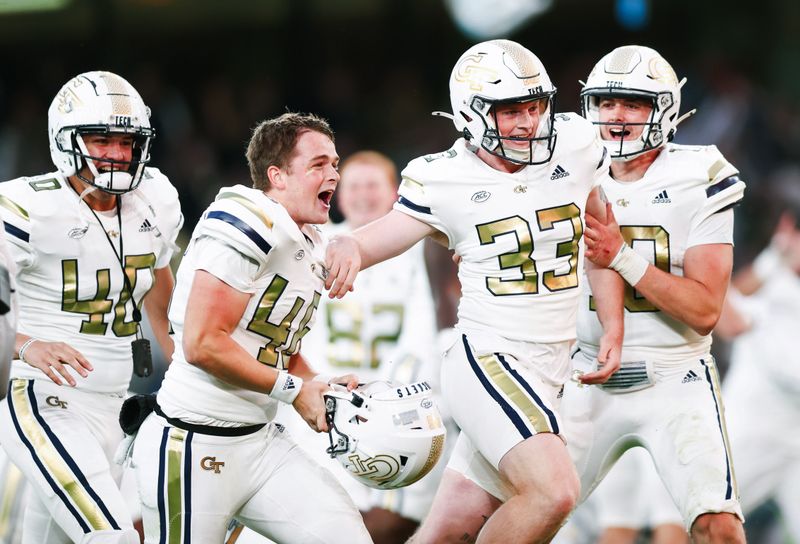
<point>226,263</point>
<point>18,228</point>
<point>714,229</point>
<point>723,191</point>
<point>415,198</point>
<point>246,228</point>
<point>162,197</point>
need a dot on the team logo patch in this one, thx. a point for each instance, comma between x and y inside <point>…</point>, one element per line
<point>520,189</point>
<point>78,232</point>
<point>481,196</point>
<point>56,402</point>
<point>622,202</point>
<point>211,463</point>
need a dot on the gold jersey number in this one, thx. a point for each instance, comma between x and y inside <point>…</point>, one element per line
<point>521,259</point>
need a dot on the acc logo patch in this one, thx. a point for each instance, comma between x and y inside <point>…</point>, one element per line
<point>481,196</point>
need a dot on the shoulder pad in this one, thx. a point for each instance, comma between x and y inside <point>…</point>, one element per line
<point>17,199</point>
<point>723,188</point>
<point>240,217</point>
<point>163,199</point>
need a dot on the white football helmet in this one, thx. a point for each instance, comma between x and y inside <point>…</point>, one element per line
<point>637,72</point>
<point>99,103</point>
<point>385,435</point>
<point>496,72</point>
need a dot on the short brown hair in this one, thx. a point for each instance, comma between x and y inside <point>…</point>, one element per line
<point>374,158</point>
<point>273,142</point>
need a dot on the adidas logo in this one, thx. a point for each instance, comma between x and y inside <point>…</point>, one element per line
<point>691,377</point>
<point>146,226</point>
<point>289,385</point>
<point>559,172</point>
<point>662,198</point>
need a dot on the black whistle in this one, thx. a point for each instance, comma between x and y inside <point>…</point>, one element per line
<point>142,357</point>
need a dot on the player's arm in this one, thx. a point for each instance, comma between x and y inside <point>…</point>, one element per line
<point>608,289</point>
<point>156,304</point>
<point>213,312</point>
<point>695,299</point>
<point>376,242</point>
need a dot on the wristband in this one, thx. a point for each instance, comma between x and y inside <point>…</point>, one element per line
<point>25,346</point>
<point>630,265</point>
<point>767,263</point>
<point>286,387</point>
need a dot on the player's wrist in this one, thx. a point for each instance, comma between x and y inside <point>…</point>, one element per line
<point>286,388</point>
<point>629,264</point>
<point>24,347</point>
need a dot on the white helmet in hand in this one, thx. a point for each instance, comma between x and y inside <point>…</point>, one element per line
<point>99,103</point>
<point>638,72</point>
<point>502,72</point>
<point>385,435</point>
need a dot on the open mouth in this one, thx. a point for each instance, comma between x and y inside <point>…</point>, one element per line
<point>325,197</point>
<point>619,133</point>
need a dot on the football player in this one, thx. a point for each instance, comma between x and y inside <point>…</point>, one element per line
<point>246,294</point>
<point>384,330</point>
<point>510,202</point>
<point>761,387</point>
<point>89,241</point>
<point>673,246</point>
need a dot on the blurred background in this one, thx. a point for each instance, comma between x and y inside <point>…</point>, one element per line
<point>210,70</point>
<point>376,69</point>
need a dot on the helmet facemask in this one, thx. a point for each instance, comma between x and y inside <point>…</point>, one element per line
<point>113,176</point>
<point>538,149</point>
<point>385,435</point>
<point>652,134</point>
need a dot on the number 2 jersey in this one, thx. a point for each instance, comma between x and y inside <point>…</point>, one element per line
<point>385,328</point>
<point>250,242</point>
<point>518,234</point>
<point>70,284</point>
<point>684,200</point>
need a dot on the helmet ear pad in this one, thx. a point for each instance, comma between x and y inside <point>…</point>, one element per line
<point>386,435</point>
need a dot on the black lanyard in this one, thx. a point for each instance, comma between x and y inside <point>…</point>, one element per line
<point>140,347</point>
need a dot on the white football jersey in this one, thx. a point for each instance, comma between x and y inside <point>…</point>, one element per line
<point>386,320</point>
<point>683,200</point>
<point>70,284</point>
<point>250,242</point>
<point>518,234</point>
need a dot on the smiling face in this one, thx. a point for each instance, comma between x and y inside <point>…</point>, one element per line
<point>626,118</point>
<point>113,147</point>
<point>367,191</point>
<point>519,120</point>
<point>305,187</point>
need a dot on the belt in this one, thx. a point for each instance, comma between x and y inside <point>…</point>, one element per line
<point>209,429</point>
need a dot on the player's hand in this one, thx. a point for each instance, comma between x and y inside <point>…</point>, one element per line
<point>53,358</point>
<point>310,404</point>
<point>350,381</point>
<point>602,239</point>
<point>343,261</point>
<point>608,360</point>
